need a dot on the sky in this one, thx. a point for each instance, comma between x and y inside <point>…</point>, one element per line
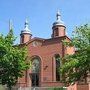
<point>41,14</point>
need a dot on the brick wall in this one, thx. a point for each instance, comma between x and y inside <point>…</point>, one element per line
<point>79,87</point>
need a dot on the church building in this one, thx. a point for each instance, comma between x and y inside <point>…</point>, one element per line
<point>45,55</point>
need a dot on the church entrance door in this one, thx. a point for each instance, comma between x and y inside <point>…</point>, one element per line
<point>35,79</point>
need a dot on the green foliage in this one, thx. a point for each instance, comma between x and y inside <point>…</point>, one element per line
<point>77,66</point>
<point>12,60</point>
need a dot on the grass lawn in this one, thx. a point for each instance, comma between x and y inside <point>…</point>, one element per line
<point>1,87</point>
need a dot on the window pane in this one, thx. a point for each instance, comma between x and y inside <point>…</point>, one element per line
<point>35,65</point>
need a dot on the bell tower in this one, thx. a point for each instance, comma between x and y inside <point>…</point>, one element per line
<point>25,35</point>
<point>58,27</point>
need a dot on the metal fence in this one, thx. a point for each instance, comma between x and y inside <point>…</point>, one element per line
<point>43,88</point>
<point>34,88</point>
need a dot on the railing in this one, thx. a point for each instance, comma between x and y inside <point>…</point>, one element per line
<point>34,88</point>
<point>43,88</point>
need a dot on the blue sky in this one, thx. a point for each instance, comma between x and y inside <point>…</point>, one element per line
<point>41,14</point>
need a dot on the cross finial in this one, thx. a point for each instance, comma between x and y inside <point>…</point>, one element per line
<point>58,16</point>
<point>26,23</point>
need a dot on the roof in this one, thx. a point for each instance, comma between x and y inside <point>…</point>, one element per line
<point>44,40</point>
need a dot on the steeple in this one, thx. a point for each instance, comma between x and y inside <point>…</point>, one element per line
<point>58,20</point>
<point>58,27</point>
<point>26,28</point>
<point>25,33</point>
<point>10,24</point>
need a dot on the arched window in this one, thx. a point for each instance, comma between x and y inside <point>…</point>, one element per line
<point>35,65</point>
<point>56,32</point>
<point>22,39</point>
<point>57,59</point>
<point>35,75</point>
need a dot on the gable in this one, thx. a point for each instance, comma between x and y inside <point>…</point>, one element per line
<point>35,43</point>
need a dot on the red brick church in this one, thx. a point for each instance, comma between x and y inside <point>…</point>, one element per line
<point>45,55</point>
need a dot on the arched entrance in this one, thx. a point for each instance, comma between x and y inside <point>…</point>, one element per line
<point>35,69</point>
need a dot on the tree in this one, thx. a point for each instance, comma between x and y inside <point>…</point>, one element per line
<point>77,66</point>
<point>12,60</point>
